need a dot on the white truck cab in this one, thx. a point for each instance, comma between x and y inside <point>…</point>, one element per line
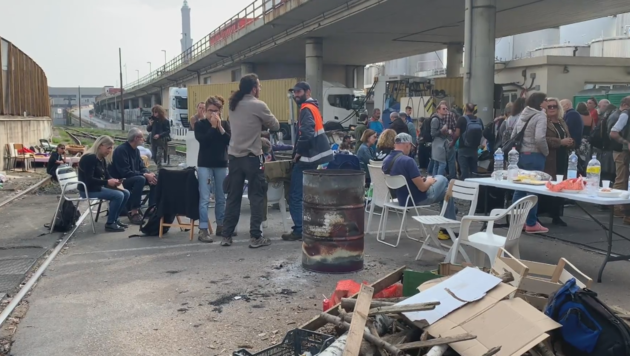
<point>178,107</point>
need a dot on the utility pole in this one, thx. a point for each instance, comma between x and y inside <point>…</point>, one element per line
<point>138,74</point>
<point>149,67</point>
<point>79,102</point>
<point>164,58</point>
<point>122,103</point>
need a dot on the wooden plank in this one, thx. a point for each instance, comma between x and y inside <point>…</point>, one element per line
<point>359,319</point>
<point>378,286</point>
<point>404,308</point>
<point>436,342</point>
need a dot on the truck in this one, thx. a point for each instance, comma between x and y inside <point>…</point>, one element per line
<point>178,107</point>
<point>339,103</point>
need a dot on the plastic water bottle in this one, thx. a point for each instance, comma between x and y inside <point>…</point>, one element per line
<point>512,164</point>
<point>499,157</point>
<point>573,163</point>
<point>593,172</point>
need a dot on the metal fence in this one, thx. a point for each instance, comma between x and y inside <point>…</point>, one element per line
<point>23,84</point>
<point>217,38</point>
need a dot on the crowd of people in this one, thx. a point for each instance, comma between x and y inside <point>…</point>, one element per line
<point>447,145</point>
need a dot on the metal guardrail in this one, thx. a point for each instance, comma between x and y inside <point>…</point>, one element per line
<point>213,40</point>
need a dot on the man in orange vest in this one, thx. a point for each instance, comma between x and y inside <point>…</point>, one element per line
<point>311,149</point>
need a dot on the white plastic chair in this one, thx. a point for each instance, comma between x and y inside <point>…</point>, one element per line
<point>69,181</point>
<point>379,194</point>
<point>487,241</point>
<point>376,163</point>
<point>396,182</point>
<point>431,224</point>
<point>275,194</point>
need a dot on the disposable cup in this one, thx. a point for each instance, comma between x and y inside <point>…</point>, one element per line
<point>605,184</point>
<point>559,177</point>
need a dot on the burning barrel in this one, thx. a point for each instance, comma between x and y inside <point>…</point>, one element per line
<point>333,216</point>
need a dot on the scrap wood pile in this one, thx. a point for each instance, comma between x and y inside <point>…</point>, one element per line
<point>372,327</point>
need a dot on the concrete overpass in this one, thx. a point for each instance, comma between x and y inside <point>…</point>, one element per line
<point>328,40</point>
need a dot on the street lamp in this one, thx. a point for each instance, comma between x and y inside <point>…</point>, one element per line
<point>164,57</point>
<point>138,73</point>
<point>149,67</point>
<point>126,76</point>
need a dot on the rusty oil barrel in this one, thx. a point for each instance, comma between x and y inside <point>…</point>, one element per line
<point>333,216</point>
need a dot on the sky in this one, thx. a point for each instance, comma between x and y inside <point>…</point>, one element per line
<point>76,42</point>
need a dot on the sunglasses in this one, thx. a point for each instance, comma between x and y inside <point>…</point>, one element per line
<point>552,106</point>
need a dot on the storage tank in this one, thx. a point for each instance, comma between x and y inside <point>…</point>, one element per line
<point>611,47</point>
<point>562,50</point>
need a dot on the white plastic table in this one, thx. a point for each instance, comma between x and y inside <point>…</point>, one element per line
<point>578,198</point>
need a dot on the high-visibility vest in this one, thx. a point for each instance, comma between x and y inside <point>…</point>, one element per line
<point>319,122</point>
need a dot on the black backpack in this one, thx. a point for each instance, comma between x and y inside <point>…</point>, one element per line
<point>150,225</point>
<point>425,131</point>
<point>589,327</point>
<point>474,132</point>
<point>67,217</point>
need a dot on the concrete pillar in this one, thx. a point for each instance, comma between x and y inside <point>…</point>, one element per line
<point>246,68</point>
<point>141,102</point>
<point>360,77</point>
<point>480,32</point>
<point>315,67</point>
<point>153,100</point>
<point>454,59</point>
<point>129,104</point>
<point>350,76</point>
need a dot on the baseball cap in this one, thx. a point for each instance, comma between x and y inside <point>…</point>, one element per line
<point>403,138</point>
<point>302,86</point>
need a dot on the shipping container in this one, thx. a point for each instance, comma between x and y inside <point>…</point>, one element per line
<point>453,87</point>
<point>273,92</point>
<point>584,95</point>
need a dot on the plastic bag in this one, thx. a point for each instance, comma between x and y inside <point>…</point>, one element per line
<point>347,288</point>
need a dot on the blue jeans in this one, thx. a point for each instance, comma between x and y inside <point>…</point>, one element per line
<point>436,194</point>
<point>206,177</point>
<point>467,162</point>
<point>117,200</point>
<point>430,166</point>
<point>439,168</point>
<point>295,194</point>
<point>530,162</point>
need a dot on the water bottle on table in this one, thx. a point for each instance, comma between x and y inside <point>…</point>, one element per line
<point>512,164</point>
<point>593,172</point>
<point>573,165</point>
<point>499,157</point>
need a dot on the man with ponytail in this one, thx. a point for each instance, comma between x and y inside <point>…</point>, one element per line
<point>246,160</point>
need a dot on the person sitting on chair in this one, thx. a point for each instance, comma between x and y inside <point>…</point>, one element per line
<point>129,167</point>
<point>56,159</point>
<point>425,191</point>
<point>100,184</point>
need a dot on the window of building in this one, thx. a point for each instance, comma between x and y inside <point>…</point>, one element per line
<point>207,80</point>
<point>508,97</point>
<point>236,75</point>
<point>341,101</point>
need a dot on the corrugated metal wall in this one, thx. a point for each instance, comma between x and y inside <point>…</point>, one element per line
<point>23,84</point>
<point>273,92</point>
<point>454,87</point>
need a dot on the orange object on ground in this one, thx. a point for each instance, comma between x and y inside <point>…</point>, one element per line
<point>348,288</point>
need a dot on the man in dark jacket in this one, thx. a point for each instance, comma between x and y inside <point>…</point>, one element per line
<point>397,124</point>
<point>574,122</point>
<point>311,149</point>
<point>128,166</point>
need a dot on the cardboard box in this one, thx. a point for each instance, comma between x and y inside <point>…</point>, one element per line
<point>512,324</point>
<point>541,279</point>
<point>277,171</point>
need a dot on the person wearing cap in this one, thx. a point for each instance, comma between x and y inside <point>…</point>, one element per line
<point>311,149</point>
<point>424,191</point>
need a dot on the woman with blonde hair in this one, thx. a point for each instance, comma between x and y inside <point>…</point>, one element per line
<point>99,183</point>
<point>160,132</point>
<point>385,144</point>
<point>213,135</point>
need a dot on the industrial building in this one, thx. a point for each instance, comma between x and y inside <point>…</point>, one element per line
<point>64,98</point>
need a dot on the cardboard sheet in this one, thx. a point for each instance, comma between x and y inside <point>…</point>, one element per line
<point>467,286</point>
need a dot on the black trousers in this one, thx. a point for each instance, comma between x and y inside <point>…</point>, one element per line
<point>248,168</point>
<point>135,186</point>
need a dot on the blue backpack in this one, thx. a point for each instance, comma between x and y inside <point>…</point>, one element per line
<point>474,132</point>
<point>345,161</point>
<point>589,327</point>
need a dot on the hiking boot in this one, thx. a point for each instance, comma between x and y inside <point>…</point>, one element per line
<point>536,229</point>
<point>292,236</point>
<point>124,226</point>
<point>135,219</point>
<point>113,227</point>
<point>259,242</point>
<point>204,236</point>
<point>226,241</point>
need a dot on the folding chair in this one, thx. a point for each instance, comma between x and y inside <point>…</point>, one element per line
<point>431,224</point>
<point>396,182</point>
<point>69,181</point>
